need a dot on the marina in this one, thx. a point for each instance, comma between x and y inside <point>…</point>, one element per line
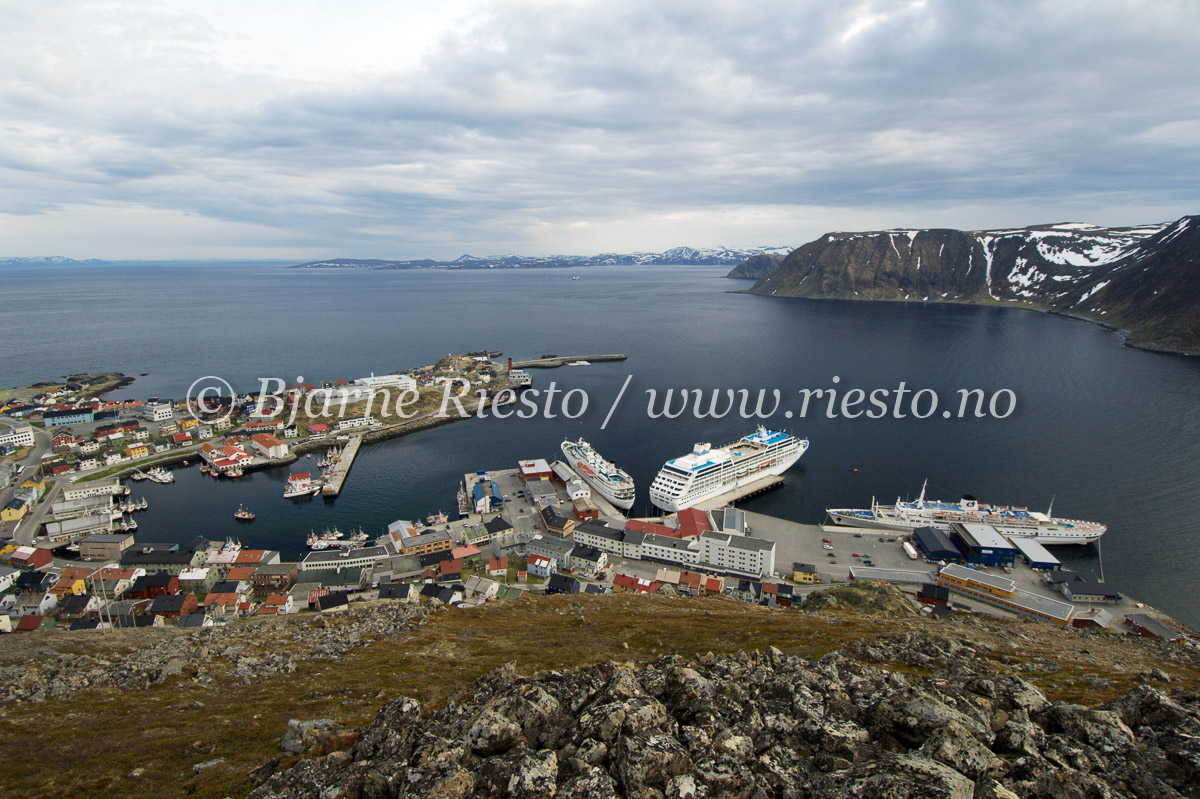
<point>336,472</point>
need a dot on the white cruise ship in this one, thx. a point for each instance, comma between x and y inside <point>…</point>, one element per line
<point>705,473</point>
<point>1009,521</point>
<point>607,480</point>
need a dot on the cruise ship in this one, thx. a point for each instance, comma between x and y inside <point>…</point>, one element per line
<point>1010,521</point>
<point>705,473</point>
<point>607,480</point>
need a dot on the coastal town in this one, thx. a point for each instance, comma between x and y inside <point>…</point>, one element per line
<point>74,559</point>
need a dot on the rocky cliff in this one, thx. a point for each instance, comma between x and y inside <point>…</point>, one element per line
<point>1144,280</point>
<point>757,266</point>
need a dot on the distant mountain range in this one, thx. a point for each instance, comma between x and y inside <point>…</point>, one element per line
<point>46,259</point>
<point>710,256</point>
<point>1143,280</point>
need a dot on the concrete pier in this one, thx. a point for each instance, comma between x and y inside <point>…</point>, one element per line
<point>336,473</point>
<point>751,489</point>
<point>551,363</point>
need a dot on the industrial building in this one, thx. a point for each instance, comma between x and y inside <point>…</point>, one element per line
<point>936,545</point>
<point>1036,555</point>
<point>983,546</point>
<point>1003,592</point>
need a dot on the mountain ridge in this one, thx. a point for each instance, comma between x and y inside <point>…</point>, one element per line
<point>705,256</point>
<point>1143,280</point>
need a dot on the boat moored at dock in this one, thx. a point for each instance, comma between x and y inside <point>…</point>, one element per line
<point>301,485</point>
<point>1013,522</point>
<point>705,473</point>
<point>612,483</point>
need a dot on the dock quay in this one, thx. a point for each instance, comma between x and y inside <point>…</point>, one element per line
<point>556,361</point>
<point>338,471</point>
<point>751,489</point>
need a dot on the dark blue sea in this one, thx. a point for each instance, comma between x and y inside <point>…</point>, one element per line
<point>1106,432</point>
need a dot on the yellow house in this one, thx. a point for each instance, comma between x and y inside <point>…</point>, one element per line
<point>14,511</point>
<point>38,485</point>
<point>187,424</point>
<point>69,586</point>
<point>6,551</point>
<point>805,573</point>
<point>137,450</point>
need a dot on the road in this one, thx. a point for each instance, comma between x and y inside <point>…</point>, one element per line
<point>30,466</point>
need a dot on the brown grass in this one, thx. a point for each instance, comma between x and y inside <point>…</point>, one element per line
<point>89,745</point>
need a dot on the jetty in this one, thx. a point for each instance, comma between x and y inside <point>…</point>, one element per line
<point>337,472</point>
<point>556,361</point>
<point>752,489</point>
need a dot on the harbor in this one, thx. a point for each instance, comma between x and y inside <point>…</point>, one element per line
<point>555,361</point>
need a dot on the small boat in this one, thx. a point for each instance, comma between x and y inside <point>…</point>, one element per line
<point>434,519</point>
<point>241,514</point>
<point>131,525</point>
<point>138,475</point>
<point>575,277</point>
<point>184,464</point>
<point>579,363</point>
<point>234,472</point>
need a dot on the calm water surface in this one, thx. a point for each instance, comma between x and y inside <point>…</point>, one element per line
<point>1109,433</point>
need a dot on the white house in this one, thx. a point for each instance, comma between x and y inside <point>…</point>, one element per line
<point>157,412</point>
<point>541,566</point>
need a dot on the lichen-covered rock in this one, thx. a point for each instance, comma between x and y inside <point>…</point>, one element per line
<point>766,725</point>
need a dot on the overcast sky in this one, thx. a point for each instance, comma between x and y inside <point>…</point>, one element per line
<point>300,130</point>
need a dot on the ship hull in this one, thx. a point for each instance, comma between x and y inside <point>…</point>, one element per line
<point>865,520</point>
<point>593,480</point>
<point>782,462</point>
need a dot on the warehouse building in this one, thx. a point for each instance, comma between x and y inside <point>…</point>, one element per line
<point>1036,555</point>
<point>935,545</point>
<point>983,546</point>
<point>1003,592</point>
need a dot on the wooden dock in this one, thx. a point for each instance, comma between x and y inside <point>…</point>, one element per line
<point>336,474</point>
<point>556,361</point>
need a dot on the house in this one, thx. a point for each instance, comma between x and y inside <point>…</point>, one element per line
<point>282,604</point>
<point>8,577</point>
<point>805,573</point>
<point>31,558</point>
<point>560,551</point>
<point>153,585</point>
<point>585,508</point>
<point>469,555</point>
<point>15,510</point>
<point>137,451</point>
<point>36,602</point>
<point>195,621</point>
<point>174,605</point>
<point>88,463</point>
<point>76,606</point>
<point>636,585</point>
<point>69,585</point>
<point>449,570</point>
<point>222,603</point>
<point>557,523</point>
<point>113,457</point>
<point>275,578</point>
<point>541,565</point>
<point>497,567</point>
<point>405,592</point>
<point>561,584</point>
<point>481,588</point>
<point>333,603</point>
<point>588,560</point>
<point>199,580</point>
<point>450,594</point>
<point>33,622</point>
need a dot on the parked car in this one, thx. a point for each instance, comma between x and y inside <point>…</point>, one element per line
<point>826,541</point>
<point>826,546</point>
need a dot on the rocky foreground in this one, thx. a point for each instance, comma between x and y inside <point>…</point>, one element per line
<point>935,718</point>
<point>40,668</point>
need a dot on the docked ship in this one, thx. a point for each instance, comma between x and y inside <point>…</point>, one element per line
<point>1013,522</point>
<point>301,485</point>
<point>705,473</point>
<point>607,480</point>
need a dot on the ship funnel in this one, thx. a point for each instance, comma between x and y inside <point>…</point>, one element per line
<point>701,448</point>
<point>969,502</point>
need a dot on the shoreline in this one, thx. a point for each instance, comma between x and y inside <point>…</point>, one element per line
<point>1128,337</point>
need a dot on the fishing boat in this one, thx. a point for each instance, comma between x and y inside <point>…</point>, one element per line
<point>241,514</point>
<point>159,475</point>
<point>301,485</point>
<point>234,472</point>
<point>434,519</point>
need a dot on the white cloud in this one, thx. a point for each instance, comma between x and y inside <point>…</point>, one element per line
<point>427,129</point>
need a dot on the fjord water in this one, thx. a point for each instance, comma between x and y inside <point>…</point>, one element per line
<point>1109,433</point>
